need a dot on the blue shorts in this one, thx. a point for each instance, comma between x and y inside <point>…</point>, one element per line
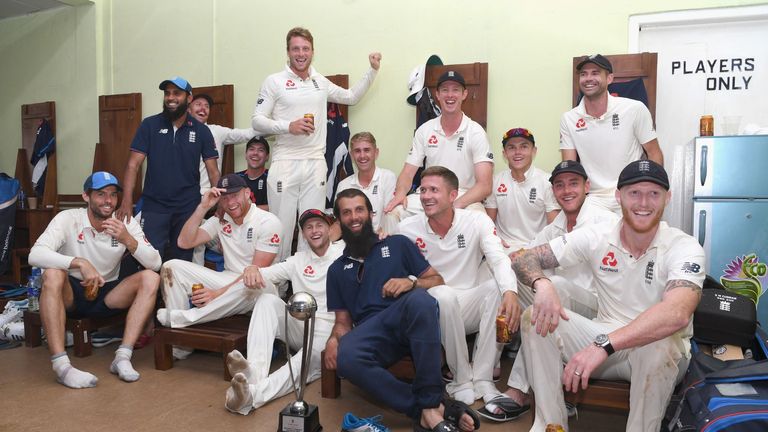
<point>83,308</point>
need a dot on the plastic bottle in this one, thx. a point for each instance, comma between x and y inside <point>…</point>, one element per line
<point>33,289</point>
<point>22,201</point>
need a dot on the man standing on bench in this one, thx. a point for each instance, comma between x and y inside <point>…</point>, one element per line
<point>249,238</point>
<point>379,287</point>
<point>306,270</point>
<point>80,252</point>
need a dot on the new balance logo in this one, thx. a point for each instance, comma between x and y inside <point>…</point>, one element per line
<point>690,267</point>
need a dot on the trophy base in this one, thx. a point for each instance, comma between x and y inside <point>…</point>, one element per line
<point>292,422</point>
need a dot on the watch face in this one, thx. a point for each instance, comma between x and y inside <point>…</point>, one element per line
<point>601,339</point>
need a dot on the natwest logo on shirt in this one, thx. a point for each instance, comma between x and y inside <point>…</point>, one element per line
<point>502,189</point>
<point>309,271</point>
<point>81,238</point>
<point>609,263</point>
<point>227,229</point>
<point>432,141</point>
<point>275,239</point>
<point>420,243</point>
<point>290,85</point>
<point>581,124</point>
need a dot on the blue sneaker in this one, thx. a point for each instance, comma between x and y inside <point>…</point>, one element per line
<point>370,424</point>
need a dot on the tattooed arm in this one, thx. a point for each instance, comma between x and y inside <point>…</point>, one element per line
<point>656,323</point>
<point>547,310</point>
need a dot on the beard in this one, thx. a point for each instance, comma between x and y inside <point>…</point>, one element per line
<point>176,114</point>
<point>359,244</point>
<point>97,213</point>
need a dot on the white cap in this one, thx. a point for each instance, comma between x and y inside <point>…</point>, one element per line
<point>417,77</point>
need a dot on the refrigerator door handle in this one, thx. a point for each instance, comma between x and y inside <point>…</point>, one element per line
<point>703,165</point>
<point>702,226</point>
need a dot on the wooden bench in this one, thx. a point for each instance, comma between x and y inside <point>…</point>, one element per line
<point>80,329</point>
<point>330,383</point>
<point>608,394</point>
<point>222,336</point>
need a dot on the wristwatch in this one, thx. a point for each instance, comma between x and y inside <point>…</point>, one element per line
<point>603,342</point>
<point>413,279</point>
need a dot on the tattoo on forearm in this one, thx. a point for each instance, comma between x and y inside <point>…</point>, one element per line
<point>528,266</point>
<point>680,283</point>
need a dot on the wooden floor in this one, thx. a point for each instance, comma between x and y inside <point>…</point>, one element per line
<point>189,397</point>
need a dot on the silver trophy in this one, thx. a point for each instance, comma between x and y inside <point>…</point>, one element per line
<point>300,416</point>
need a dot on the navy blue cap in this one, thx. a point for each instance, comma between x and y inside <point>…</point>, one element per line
<point>641,171</point>
<point>566,166</point>
<point>232,183</point>
<point>178,82</point>
<point>597,59</point>
<point>99,180</point>
<point>451,75</point>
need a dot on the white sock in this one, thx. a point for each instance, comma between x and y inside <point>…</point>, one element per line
<point>69,376</point>
<point>238,364</point>
<point>466,395</point>
<point>239,399</point>
<point>122,366</point>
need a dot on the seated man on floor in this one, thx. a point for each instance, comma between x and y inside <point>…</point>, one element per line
<point>252,384</point>
<point>80,252</point>
<point>378,286</point>
<point>249,239</point>
<point>574,284</point>
<point>648,278</point>
<point>462,245</point>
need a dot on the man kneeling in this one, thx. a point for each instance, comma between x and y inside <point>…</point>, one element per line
<point>306,270</point>
<point>80,252</point>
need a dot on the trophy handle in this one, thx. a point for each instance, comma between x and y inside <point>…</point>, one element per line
<point>288,358</point>
<point>309,334</point>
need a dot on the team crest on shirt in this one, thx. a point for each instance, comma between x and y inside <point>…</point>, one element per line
<point>249,235</point>
<point>460,143</point>
<point>385,251</point>
<point>309,271</point>
<point>227,229</point>
<point>501,190</point>
<point>261,184</point>
<point>432,142</point>
<point>609,263</point>
<point>314,83</point>
<point>290,85</point>
<point>275,240</point>
<point>81,238</point>
<point>615,121</point>
<point>649,272</point>
<point>532,195</point>
<point>192,136</point>
<point>460,242</point>
<point>279,186</point>
<point>114,243</point>
<point>375,190</point>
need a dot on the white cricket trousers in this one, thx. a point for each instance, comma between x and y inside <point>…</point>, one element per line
<point>268,324</point>
<point>464,312</point>
<point>178,277</point>
<point>653,370</point>
<point>572,297</point>
<point>292,187</point>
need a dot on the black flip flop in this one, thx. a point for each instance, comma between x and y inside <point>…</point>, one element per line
<point>443,426</point>
<point>510,410</point>
<point>455,409</point>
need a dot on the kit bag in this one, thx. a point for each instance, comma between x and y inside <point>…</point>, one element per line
<point>718,395</point>
<point>723,317</point>
<point>9,193</point>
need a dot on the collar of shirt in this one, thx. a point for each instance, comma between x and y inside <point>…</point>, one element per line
<point>528,174</point>
<point>462,126</point>
<point>429,229</point>
<point>609,108</point>
<point>312,72</point>
<point>356,178</point>
<point>614,238</point>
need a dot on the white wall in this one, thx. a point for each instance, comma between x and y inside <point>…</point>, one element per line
<point>72,55</point>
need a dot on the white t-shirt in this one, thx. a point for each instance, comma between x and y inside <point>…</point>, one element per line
<point>608,143</point>
<point>307,273</point>
<point>285,97</point>
<point>458,255</point>
<point>260,231</point>
<point>222,136</point>
<point>522,206</point>
<point>459,152</point>
<point>626,285</point>
<point>588,215</point>
<point>70,235</point>
<point>379,191</point>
